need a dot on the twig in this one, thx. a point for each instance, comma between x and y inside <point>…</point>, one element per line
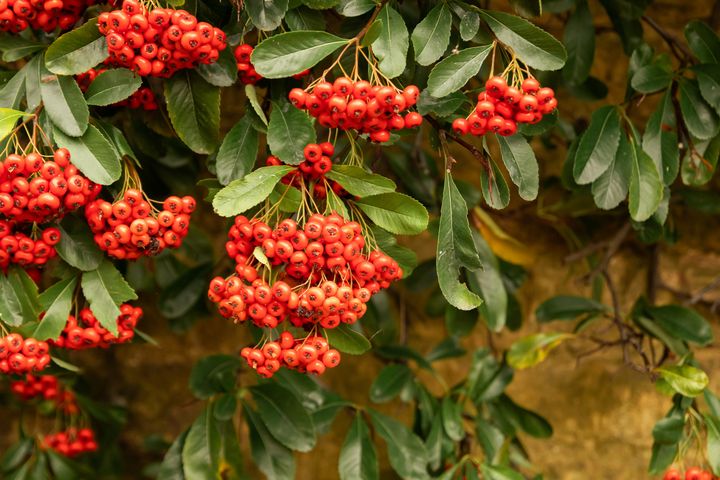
<point>475,151</point>
<point>671,40</point>
<point>612,247</point>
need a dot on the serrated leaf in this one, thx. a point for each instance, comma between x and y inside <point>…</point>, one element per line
<point>395,212</point>
<point>567,307</point>
<point>64,104</point>
<point>453,72</point>
<point>194,109</point>
<point>660,140</point>
<point>303,18</point>
<point>487,282</point>
<point>392,44</point>
<point>223,72</point>
<point>579,39</point>
<point>238,152</point>
<point>651,78</point>
<point>289,131</point>
<point>271,457</point>
<point>682,323</point>
<point>243,194</point>
<point>358,459</point>
<point>432,35</point>
<point>214,374</point>
<point>494,187</point>
<point>703,41</point>
<point>701,120</point>
<point>598,145</point>
<point>19,299</point>
<point>266,14</point>
<point>105,289</point>
<point>452,419</point>
<point>77,51</point>
<point>289,53</point>
<point>92,154</point>
<point>406,451</point>
<point>284,416</point>
<point>354,8</point>
<point>56,302</point>
<point>611,188</point>
<point>519,159</point>
<point>708,77</point>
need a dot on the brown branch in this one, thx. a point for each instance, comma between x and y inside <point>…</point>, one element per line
<point>678,48</point>
<point>613,246</point>
<point>475,151</point>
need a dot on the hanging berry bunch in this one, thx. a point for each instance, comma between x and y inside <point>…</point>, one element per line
<point>159,41</point>
<point>33,250</point>
<point>325,280</point>
<point>131,227</point>
<point>310,174</point>
<point>45,15</point>
<point>691,473</point>
<point>47,388</point>
<point>246,72</point>
<point>142,99</point>
<point>19,355</point>
<point>514,97</point>
<point>71,442</point>
<point>85,331</point>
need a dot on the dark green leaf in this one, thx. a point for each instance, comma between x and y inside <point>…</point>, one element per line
<point>490,438</point>
<point>359,182</point>
<point>13,92</point>
<point>302,18</point>
<point>712,451</point>
<point>395,212</point>
<point>660,140</point>
<point>354,8</point>
<point>171,467</point>
<point>56,302</point>
<point>19,299</point>
<point>194,108</point>
<point>494,187</point>
<point>669,429</point>
<point>243,194</point>
<point>488,284</point>
<point>390,382</point>
<point>391,46</point>
<point>289,53</point>
<point>266,14</point>
<point>452,419</point>
<point>77,246</point>
<point>700,119</point>
<point>289,131</point>
<point>651,78</point>
<point>64,104</point>
<point>358,459</point>
<point>77,51</point>
<point>406,451</point>
<point>432,35</point>
<point>271,457</point>
<point>347,340</point>
<point>566,307</point>
<point>708,77</point>
<point>112,86</point>
<point>646,187</point>
<point>284,416</point>
<point>105,289</point>
<point>182,294</point>
<point>201,449</point>
<point>537,48</point>
<point>238,152</point>
<point>598,145</point>
<point>529,422</point>
<point>519,159</point>
<point>499,472</point>
<point>579,40</point>
<point>444,106</point>
<point>221,73</point>
<point>703,41</point>
<point>453,72</point>
<point>460,323</point>
<point>93,155</point>
<point>699,165</point>
<point>469,25</point>
<point>214,374</point>
<point>15,47</point>
<point>683,323</point>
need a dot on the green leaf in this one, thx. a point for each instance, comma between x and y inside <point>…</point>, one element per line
<point>651,78</point>
<point>522,418</point>
<point>354,8</point>
<point>56,302</point>
<point>443,107</point>
<point>452,419</point>
<point>112,86</point>
<point>289,131</point>
<point>15,47</point>
<point>19,299</point>
<point>214,374</point>
<point>712,401</point>
<point>284,416</point>
<point>708,77</point>
<point>579,40</point>
<point>77,51</point>
<point>487,282</point>
<point>660,140</point>
<point>611,188</point>
<point>372,33</point>
<point>221,73</point>
<point>243,194</point>
<point>598,145</point>
<point>494,187</point>
<point>266,15</point>
<point>391,46</point>
<point>34,70</point>
<point>65,104</point>
<point>13,92</point>
<point>271,457</point>
<point>395,212</point>
<point>534,46</point>
<point>460,323</point>
<point>347,340</point>
<point>434,441</point>
<point>453,72</point>
<point>320,4</point>
<point>358,459</point>
<point>646,187</point>
<point>238,152</point>
<point>77,246</point>
<point>683,323</point>
<point>359,182</point>
<point>684,379</point>
<point>432,35</point>
<point>698,166</point>
<point>703,41</point>
<point>532,350</point>
<point>390,382</point>
<point>92,154</point>
<point>183,293</point>
<point>200,452</point>
<point>669,430</point>
<point>499,472</point>
<point>251,94</point>
<point>489,437</point>
<point>713,442</point>
<point>171,467</point>
<point>701,120</point>
<point>519,159</point>
<point>194,108</point>
<point>566,307</point>
<point>302,18</point>
<point>469,25</point>
<point>649,325</point>
<point>455,248</point>
<point>105,289</point>
<point>289,53</point>
<point>8,119</point>
<point>406,451</point>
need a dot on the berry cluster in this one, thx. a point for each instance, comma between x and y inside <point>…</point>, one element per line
<point>20,249</point>
<point>317,163</point>
<point>131,228</point>
<point>692,473</point>
<point>371,109</point>
<point>45,15</point>
<point>20,355</point>
<point>142,99</point>
<point>86,332</point>
<point>48,388</point>
<point>246,72</point>
<point>158,42</point>
<point>501,107</point>
<point>33,189</point>
<point>309,355</point>
<point>72,442</point>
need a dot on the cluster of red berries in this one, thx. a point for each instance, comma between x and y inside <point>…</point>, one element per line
<point>501,107</point>
<point>20,355</point>
<point>246,71</point>
<point>45,15</point>
<point>72,442</point>
<point>158,42</point>
<point>48,388</point>
<point>692,473</point>
<point>20,249</point>
<point>86,332</point>
<point>372,109</point>
<point>33,189</point>
<point>130,228</point>
<point>142,99</point>
<point>311,355</point>
<point>317,163</point>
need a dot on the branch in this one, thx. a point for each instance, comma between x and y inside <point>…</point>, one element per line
<point>677,47</point>
<point>475,151</point>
